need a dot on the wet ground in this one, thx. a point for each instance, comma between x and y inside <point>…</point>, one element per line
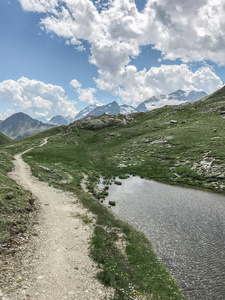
<point>186,228</point>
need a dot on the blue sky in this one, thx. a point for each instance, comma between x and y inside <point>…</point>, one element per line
<point>58,58</point>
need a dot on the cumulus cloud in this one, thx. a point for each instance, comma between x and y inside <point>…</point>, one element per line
<point>40,6</point>
<point>75,83</point>
<point>7,114</point>
<point>36,98</point>
<point>134,87</point>
<point>84,95</point>
<point>188,30</point>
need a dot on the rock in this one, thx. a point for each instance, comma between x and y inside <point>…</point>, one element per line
<point>114,134</point>
<point>214,130</point>
<point>176,175</point>
<point>173,121</point>
<point>122,166</point>
<point>94,124</point>
<point>46,169</point>
<point>2,296</point>
<point>104,121</point>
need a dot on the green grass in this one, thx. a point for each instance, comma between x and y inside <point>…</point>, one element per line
<point>15,204</point>
<point>148,147</point>
<point>134,270</point>
<point>4,139</point>
<point>151,147</point>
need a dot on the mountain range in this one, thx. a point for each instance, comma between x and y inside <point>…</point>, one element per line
<point>179,95</point>
<point>60,120</point>
<point>20,125</point>
<point>114,108</point>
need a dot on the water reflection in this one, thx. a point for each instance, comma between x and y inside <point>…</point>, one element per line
<point>186,228</point>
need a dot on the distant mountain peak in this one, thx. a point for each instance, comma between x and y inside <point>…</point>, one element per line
<point>178,95</point>
<point>60,120</point>
<point>114,108</point>
<point>20,125</point>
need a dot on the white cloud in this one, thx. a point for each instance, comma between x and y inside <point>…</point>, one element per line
<point>75,83</point>
<point>7,114</point>
<point>84,95</point>
<point>139,86</point>
<point>40,6</point>
<point>191,30</point>
<point>36,98</point>
<point>188,30</point>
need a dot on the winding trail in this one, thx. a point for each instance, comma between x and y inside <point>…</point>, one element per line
<point>60,267</point>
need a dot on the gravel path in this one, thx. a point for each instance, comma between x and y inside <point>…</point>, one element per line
<point>60,267</point>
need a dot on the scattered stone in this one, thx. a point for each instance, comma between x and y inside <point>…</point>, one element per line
<point>114,134</point>
<point>176,175</point>
<point>214,130</point>
<point>122,166</point>
<point>173,121</point>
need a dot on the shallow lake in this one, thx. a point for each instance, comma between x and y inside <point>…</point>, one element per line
<point>186,228</point>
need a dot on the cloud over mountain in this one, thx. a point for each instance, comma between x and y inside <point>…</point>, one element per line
<point>36,98</point>
<point>115,30</point>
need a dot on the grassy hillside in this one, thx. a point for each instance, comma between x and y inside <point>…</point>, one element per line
<point>175,144</point>
<point>4,139</point>
<point>181,144</point>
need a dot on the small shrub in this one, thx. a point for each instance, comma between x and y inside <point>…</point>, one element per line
<point>118,182</point>
<point>112,203</point>
<point>104,193</point>
<point>123,176</point>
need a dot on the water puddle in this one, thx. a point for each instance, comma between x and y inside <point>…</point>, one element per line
<point>186,228</point>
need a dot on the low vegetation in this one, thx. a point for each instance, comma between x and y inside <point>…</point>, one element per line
<point>4,139</point>
<point>177,145</point>
<point>15,205</point>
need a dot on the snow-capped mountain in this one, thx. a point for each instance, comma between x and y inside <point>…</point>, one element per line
<point>84,112</point>
<point>195,96</point>
<point>179,95</point>
<point>114,108</point>
<point>127,109</point>
<point>60,120</point>
<point>145,105</point>
<point>171,99</point>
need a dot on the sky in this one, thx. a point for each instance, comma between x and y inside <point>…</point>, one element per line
<point>59,56</point>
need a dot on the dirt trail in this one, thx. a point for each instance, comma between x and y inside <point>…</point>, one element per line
<point>60,267</point>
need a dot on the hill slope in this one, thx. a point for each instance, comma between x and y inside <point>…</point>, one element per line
<point>4,139</point>
<point>20,125</point>
<point>177,144</point>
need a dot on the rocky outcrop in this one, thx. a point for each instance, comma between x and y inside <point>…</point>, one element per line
<point>105,121</point>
